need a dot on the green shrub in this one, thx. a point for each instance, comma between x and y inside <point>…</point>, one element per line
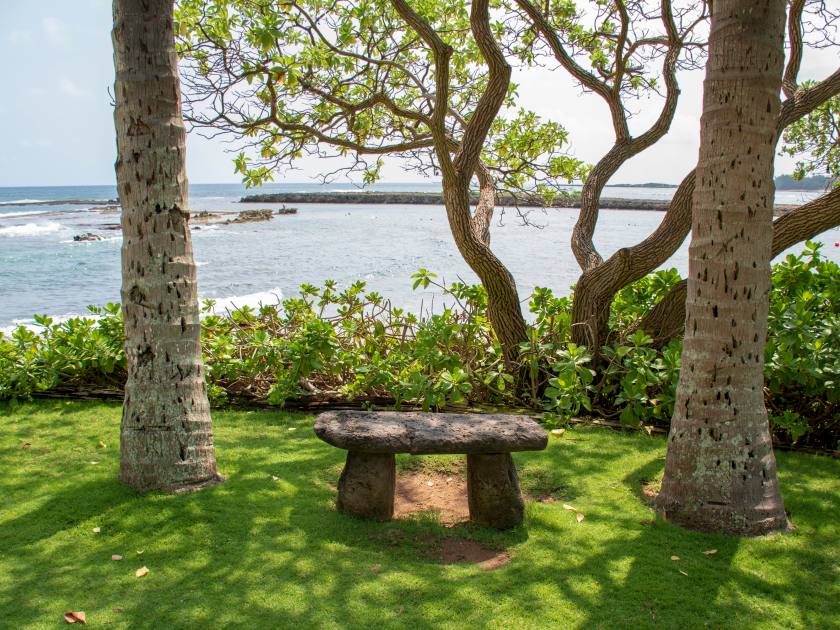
<point>352,344</point>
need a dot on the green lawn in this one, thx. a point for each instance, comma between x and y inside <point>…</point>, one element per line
<point>267,549</point>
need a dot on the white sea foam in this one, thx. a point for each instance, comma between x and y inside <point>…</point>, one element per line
<point>31,325</point>
<point>31,229</point>
<point>254,300</point>
<point>9,215</point>
<point>17,202</point>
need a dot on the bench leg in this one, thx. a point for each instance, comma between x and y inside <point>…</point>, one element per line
<point>366,486</point>
<point>493,491</point>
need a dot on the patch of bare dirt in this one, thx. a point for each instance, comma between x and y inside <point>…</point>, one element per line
<point>650,488</point>
<point>425,491</point>
<point>457,550</point>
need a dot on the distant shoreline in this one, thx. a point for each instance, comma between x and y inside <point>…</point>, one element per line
<point>436,199</point>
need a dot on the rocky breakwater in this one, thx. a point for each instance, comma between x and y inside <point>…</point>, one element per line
<point>251,216</point>
<point>436,199</point>
<point>197,219</point>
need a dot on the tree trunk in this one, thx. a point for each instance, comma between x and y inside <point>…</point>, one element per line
<point>720,472</point>
<point>166,440</point>
<point>483,214</point>
<point>503,308</point>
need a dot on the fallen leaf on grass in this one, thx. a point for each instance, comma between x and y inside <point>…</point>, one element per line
<point>93,463</point>
<point>675,557</point>
<point>649,429</point>
<point>28,445</point>
<point>96,530</point>
<point>579,517</point>
<point>571,508</point>
<point>72,616</point>
<point>141,572</point>
<point>140,552</point>
<point>102,444</point>
<point>684,573</point>
<point>116,556</point>
<point>275,478</point>
<point>558,431</point>
<point>710,552</point>
<point>292,428</point>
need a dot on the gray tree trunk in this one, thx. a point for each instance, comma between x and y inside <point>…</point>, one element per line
<point>166,440</point>
<point>720,472</point>
<point>503,307</point>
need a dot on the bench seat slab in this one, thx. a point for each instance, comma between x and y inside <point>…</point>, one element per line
<point>428,433</point>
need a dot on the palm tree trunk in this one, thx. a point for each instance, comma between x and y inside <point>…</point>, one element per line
<point>720,472</point>
<point>166,440</point>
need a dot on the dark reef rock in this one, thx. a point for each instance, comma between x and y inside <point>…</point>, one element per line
<point>87,237</point>
<point>252,216</point>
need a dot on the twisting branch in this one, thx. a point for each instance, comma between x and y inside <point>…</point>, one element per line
<point>494,94</point>
<point>794,29</point>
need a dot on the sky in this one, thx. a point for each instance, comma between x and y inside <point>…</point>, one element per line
<point>56,121</point>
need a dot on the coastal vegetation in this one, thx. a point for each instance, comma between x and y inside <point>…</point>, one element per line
<point>331,344</point>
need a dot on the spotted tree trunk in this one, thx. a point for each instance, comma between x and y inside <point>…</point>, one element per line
<point>166,440</point>
<point>720,472</point>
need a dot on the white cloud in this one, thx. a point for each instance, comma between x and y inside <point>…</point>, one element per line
<point>66,86</point>
<point>54,30</point>
<point>19,37</point>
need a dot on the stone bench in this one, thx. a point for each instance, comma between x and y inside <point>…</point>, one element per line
<point>371,438</point>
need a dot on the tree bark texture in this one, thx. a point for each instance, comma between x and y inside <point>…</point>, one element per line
<point>720,472</point>
<point>166,439</point>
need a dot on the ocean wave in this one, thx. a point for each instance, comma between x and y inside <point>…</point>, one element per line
<point>253,300</point>
<point>9,215</point>
<point>31,229</point>
<point>30,324</point>
<point>17,202</point>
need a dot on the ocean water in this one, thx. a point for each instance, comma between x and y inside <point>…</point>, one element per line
<point>43,271</point>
